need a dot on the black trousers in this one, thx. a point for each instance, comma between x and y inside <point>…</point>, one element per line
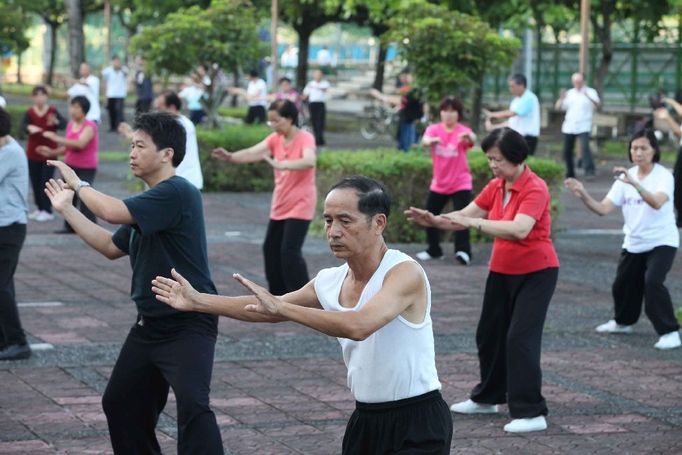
<point>435,204</point>
<point>40,173</point>
<point>11,240</point>
<point>642,275</point>
<point>532,142</point>
<point>155,356</point>
<point>509,338</point>
<point>417,425</point>
<point>569,145</point>
<point>285,268</point>
<point>318,116</point>
<point>677,173</point>
<point>115,108</point>
<point>255,114</point>
<point>89,176</point>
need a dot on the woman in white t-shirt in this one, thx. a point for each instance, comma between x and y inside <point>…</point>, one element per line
<point>645,194</point>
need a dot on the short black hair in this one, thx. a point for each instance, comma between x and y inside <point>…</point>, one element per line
<point>519,79</point>
<point>5,123</point>
<point>253,73</point>
<point>284,79</point>
<point>510,143</point>
<point>285,108</point>
<point>166,131</point>
<point>39,89</point>
<point>651,136</point>
<point>372,195</point>
<point>83,102</point>
<point>452,102</point>
<point>170,98</point>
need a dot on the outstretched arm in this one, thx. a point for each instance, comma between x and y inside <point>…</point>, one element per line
<point>578,189</point>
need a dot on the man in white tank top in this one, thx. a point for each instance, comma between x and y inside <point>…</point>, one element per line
<point>377,304</point>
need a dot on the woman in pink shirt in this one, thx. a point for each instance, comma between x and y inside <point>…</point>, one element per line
<point>449,142</point>
<point>291,153</point>
<point>80,150</point>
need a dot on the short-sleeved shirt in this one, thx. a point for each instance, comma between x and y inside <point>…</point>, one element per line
<point>529,196</point>
<point>450,167</point>
<point>87,157</point>
<point>168,233</point>
<point>645,227</point>
<point>579,110</point>
<point>316,91</point>
<point>260,89</point>
<point>526,122</point>
<point>295,193</point>
<point>91,92</point>
<point>190,166</point>
<point>13,184</point>
<point>117,81</point>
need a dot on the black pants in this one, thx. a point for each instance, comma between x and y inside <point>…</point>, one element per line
<point>40,173</point>
<point>160,354</point>
<point>142,106</point>
<point>255,114</point>
<point>509,338</point>
<point>641,275</point>
<point>532,142</point>
<point>11,240</point>
<point>197,116</point>
<point>285,268</point>
<point>318,115</point>
<point>677,172</point>
<point>115,108</point>
<point>89,176</point>
<point>569,145</point>
<point>417,425</point>
<point>435,204</point>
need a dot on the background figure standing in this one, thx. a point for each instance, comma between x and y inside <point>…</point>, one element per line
<point>315,92</point>
<point>13,209</point>
<point>192,93</point>
<point>449,141</point>
<point>87,86</point>
<point>291,153</point>
<point>144,89</point>
<point>256,95</point>
<point>39,118</point>
<point>116,78</point>
<point>663,114</point>
<point>523,115</point>
<point>580,102</point>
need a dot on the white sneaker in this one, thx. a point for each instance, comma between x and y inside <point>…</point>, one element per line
<point>613,327</point>
<point>526,425</point>
<point>44,216</point>
<point>669,341</point>
<point>33,214</point>
<point>424,256</point>
<point>471,407</point>
<point>463,257</point>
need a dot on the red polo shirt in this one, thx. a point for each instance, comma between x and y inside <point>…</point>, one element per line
<point>529,196</point>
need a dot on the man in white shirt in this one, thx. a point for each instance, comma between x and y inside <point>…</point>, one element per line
<point>315,92</point>
<point>257,98</point>
<point>87,86</point>
<point>523,115</point>
<point>580,102</point>
<point>116,78</point>
<point>378,306</point>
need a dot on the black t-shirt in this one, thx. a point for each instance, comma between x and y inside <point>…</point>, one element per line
<point>168,233</point>
<point>411,108</point>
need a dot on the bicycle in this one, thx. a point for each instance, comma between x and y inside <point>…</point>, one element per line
<point>378,119</point>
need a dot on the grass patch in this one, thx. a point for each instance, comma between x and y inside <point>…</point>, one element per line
<point>114,156</point>
<point>25,90</point>
<point>678,315</point>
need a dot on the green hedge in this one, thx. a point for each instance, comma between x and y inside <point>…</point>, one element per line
<point>16,112</point>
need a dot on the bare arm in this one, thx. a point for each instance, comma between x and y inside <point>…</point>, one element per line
<point>663,114</point>
<point>654,200</point>
<point>601,208</point>
<point>248,155</point>
<point>306,162</point>
<point>79,144</point>
<point>675,105</point>
<point>516,229</point>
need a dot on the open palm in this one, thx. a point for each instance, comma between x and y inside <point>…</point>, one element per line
<point>61,196</point>
<point>176,292</point>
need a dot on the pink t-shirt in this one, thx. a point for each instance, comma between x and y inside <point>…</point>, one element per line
<point>85,158</point>
<point>295,192</point>
<point>450,167</point>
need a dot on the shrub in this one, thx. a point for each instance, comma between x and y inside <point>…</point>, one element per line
<point>16,112</point>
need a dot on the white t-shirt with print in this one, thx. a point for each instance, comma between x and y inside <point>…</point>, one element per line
<point>646,228</point>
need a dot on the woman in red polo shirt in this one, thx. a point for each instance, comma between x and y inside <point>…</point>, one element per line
<point>514,208</point>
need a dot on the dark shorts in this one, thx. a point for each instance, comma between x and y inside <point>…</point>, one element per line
<point>421,424</point>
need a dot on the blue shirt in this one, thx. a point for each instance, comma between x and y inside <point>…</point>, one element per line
<point>13,184</point>
<point>526,122</point>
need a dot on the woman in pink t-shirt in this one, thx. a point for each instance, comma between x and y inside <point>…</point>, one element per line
<point>291,153</point>
<point>80,150</point>
<point>449,142</point>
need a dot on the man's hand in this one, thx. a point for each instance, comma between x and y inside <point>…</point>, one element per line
<point>125,129</point>
<point>267,303</point>
<point>33,129</point>
<point>68,174</point>
<point>60,195</point>
<point>177,293</point>
<point>222,154</point>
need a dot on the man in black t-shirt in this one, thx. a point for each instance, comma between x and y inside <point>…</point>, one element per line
<point>162,228</point>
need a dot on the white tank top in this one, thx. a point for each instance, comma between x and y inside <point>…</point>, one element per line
<point>398,360</point>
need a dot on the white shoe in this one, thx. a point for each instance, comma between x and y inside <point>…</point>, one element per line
<point>471,407</point>
<point>44,216</point>
<point>424,256</point>
<point>613,327</point>
<point>33,214</point>
<point>669,341</point>
<point>526,425</point>
<point>463,257</point>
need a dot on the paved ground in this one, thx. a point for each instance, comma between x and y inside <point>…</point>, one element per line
<point>280,389</point>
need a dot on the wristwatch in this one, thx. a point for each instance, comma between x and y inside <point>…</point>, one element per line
<point>81,184</point>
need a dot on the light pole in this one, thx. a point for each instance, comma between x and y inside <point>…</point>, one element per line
<point>274,12</point>
<point>584,35</point>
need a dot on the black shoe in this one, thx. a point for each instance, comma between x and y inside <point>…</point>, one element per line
<point>64,231</point>
<point>15,352</point>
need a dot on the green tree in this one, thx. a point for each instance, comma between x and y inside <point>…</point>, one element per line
<point>14,23</point>
<point>224,34</point>
<point>53,14</point>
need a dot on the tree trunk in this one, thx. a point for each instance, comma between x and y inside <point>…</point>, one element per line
<point>53,52</point>
<point>304,33</point>
<point>380,67</point>
<point>606,10</point>
<point>76,36</point>
<point>235,83</point>
<point>476,106</point>
<point>19,67</point>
